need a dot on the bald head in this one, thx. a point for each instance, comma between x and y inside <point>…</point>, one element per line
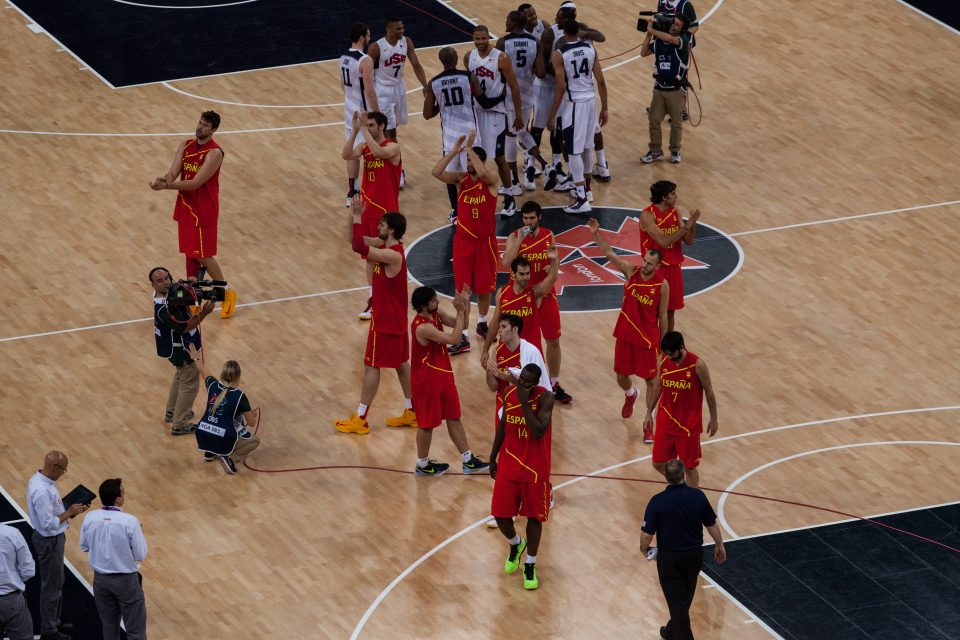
<point>54,464</point>
<point>448,57</point>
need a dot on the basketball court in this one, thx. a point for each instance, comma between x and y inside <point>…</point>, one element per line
<point>822,291</point>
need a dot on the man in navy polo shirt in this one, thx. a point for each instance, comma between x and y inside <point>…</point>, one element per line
<point>676,516</point>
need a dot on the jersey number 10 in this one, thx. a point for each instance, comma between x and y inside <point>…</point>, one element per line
<point>452,97</point>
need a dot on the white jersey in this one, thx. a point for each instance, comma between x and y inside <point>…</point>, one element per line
<point>521,48</point>
<point>389,69</point>
<point>538,30</point>
<point>354,98</point>
<point>487,73</point>
<point>578,59</point>
<point>454,96</point>
<point>550,79</point>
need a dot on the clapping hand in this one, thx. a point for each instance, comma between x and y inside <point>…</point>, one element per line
<point>471,137</point>
<point>357,205</point>
<point>552,252</point>
<point>694,216</point>
<point>593,225</point>
<point>159,184</point>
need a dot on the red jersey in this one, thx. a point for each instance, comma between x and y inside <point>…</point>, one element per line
<point>389,312</point>
<point>523,304</point>
<point>200,207</point>
<point>505,359</point>
<point>430,368</point>
<point>476,209</point>
<point>380,186</point>
<point>669,223</point>
<point>681,400</point>
<point>523,458</point>
<point>533,247</point>
<point>639,320</point>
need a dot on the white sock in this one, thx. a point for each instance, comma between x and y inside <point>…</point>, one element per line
<point>575,164</point>
<point>362,410</point>
<point>632,391</point>
<point>601,157</point>
<point>481,319</point>
<point>466,455</point>
<point>466,334</point>
<point>554,381</point>
<point>531,559</point>
<point>557,159</point>
<point>422,462</point>
<point>514,540</point>
<point>408,403</point>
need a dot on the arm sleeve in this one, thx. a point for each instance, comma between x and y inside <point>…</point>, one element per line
<point>84,541</point>
<point>650,520</point>
<point>43,507</point>
<point>138,543</point>
<point>709,515</point>
<point>25,564</point>
<point>209,381</point>
<point>244,405</point>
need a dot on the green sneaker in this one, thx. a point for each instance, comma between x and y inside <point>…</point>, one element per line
<point>530,576</point>
<point>513,560</point>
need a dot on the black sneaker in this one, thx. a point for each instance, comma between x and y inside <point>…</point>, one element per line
<point>560,395</point>
<point>462,347</point>
<point>433,468</point>
<point>184,430</point>
<point>552,180</point>
<point>228,465</point>
<point>208,457</point>
<point>482,329</point>
<point>475,465</point>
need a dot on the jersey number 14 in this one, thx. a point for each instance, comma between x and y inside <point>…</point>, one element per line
<point>580,69</point>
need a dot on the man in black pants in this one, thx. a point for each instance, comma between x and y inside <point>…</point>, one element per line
<point>676,515</point>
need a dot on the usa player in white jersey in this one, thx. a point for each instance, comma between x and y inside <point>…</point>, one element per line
<point>451,94</point>
<point>524,52</point>
<point>359,94</point>
<point>494,71</point>
<point>576,65</point>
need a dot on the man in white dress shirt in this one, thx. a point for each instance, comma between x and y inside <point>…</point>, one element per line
<point>16,567</point>
<point>49,520</point>
<point>116,546</point>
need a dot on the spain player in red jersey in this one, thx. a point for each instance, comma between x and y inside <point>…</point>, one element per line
<point>475,239</point>
<point>380,176</point>
<point>435,396</point>
<point>678,390</point>
<point>662,228</point>
<point>642,322</point>
<point>530,241</point>
<point>520,466</point>
<point>197,164</point>
<point>388,346</point>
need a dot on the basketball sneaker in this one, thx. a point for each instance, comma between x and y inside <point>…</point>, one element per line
<point>601,172</point>
<point>350,195</point>
<point>509,208</point>
<point>529,178</point>
<point>590,196</point>
<point>452,217</point>
<point>492,523</point>
<point>228,465</point>
<point>462,347</point>
<point>403,178</point>
<point>566,184</point>
<point>675,157</point>
<point>353,424</point>
<point>628,401</point>
<point>433,468</point>
<point>513,560</point>
<point>367,313</point>
<point>406,419</point>
<point>647,434</point>
<point>475,465</point>
<point>530,581</point>
<point>553,177</point>
<point>229,303</point>
<point>651,156</point>
<point>208,457</point>
<point>515,190</point>
<point>183,430</point>
<point>560,395</point>
<point>580,206</point>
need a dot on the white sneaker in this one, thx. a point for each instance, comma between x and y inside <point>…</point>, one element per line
<point>675,157</point>
<point>529,178</point>
<point>367,313</point>
<point>580,206</point>
<point>501,191</point>
<point>601,172</point>
<point>566,185</point>
<point>589,196</point>
<point>403,178</point>
<point>515,190</point>
<point>508,209</point>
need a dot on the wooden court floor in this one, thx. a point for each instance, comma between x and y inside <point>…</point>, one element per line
<point>843,323</point>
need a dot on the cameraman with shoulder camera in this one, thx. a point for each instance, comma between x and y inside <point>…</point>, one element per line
<point>668,38</point>
<point>681,8</point>
<point>175,328</point>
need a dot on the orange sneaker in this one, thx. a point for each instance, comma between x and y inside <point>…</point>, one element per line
<point>406,419</point>
<point>354,424</point>
<point>229,303</point>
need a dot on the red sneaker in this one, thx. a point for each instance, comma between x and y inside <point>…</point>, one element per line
<point>647,435</point>
<point>628,401</point>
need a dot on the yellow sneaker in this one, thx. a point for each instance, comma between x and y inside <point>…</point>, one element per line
<point>354,424</point>
<point>229,303</point>
<point>406,419</point>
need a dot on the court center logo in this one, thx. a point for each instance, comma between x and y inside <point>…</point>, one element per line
<point>586,282</point>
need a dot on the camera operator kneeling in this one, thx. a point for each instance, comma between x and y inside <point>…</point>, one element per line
<point>222,431</point>
<point>175,327</point>
<point>672,58</point>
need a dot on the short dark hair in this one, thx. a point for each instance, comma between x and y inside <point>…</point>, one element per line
<point>534,206</point>
<point>481,27</point>
<point>480,153</point>
<point>518,262</point>
<point>571,27</point>
<point>534,369</point>
<point>657,253</point>
<point>660,190</point>
<point>513,320</point>
<point>389,21</point>
<point>377,117</point>
<point>396,222</point>
<point>525,6</point>
<point>672,341</point>
<point>154,270</point>
<point>421,298</point>
<point>212,117</point>
<point>685,21</point>
<point>109,491</point>
<point>673,471</point>
<point>358,30</point>
<point>516,19</point>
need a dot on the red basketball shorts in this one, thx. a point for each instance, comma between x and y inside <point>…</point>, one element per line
<point>436,405</point>
<point>634,360</point>
<point>512,498</point>
<point>550,317</point>
<point>385,350</point>
<point>668,445</point>
<point>674,276</point>
<point>197,242</point>
<point>474,262</point>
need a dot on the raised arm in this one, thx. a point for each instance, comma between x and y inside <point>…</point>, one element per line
<point>490,177</point>
<point>440,169</point>
<point>351,150</point>
<point>545,286</point>
<point>625,267</point>
<point>646,48</point>
<point>539,421</point>
<point>587,33</point>
<point>691,233</point>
